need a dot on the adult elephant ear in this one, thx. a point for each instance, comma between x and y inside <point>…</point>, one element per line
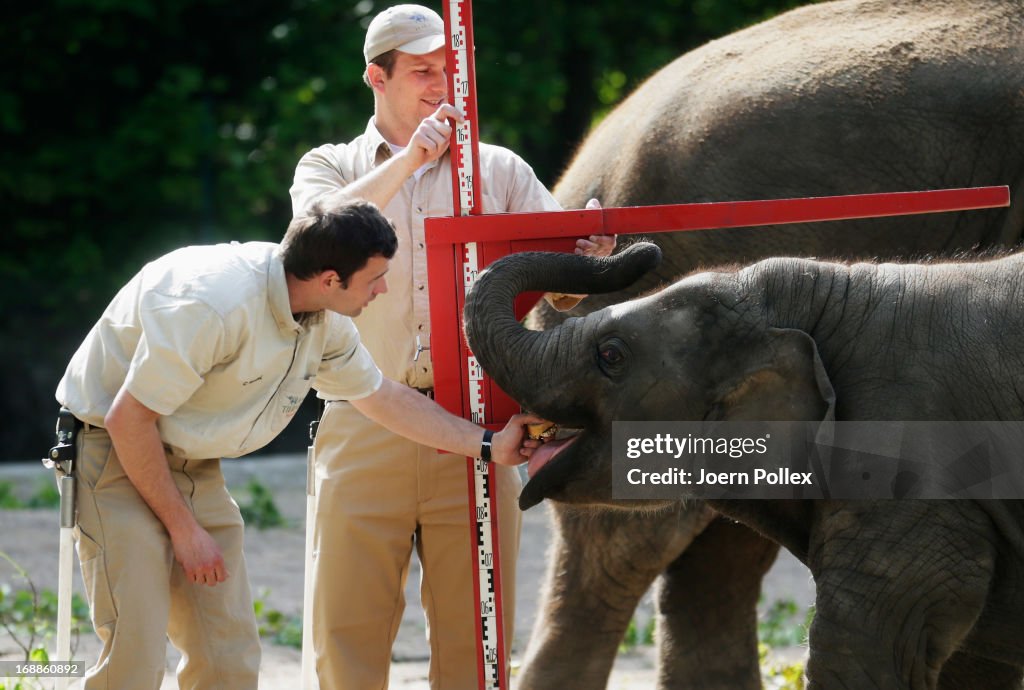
<point>784,380</point>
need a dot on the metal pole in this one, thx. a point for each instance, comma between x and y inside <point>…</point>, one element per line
<point>64,569</point>
<point>309,677</point>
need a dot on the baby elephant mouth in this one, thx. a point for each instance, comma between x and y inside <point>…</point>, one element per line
<point>555,441</point>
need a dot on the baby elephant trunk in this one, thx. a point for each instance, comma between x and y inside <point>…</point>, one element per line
<point>518,358</point>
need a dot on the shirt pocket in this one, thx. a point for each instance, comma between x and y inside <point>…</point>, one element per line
<point>278,412</point>
<point>286,402</point>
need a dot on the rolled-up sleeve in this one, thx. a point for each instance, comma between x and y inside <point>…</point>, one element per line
<point>316,174</point>
<point>526,192</point>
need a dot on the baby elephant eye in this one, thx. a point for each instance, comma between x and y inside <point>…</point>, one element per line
<point>612,355</point>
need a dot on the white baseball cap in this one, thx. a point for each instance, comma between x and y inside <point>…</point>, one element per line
<point>412,29</point>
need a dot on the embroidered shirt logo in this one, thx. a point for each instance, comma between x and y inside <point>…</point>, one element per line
<point>290,404</point>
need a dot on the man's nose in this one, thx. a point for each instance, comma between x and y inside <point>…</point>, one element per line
<point>382,287</point>
<point>440,83</point>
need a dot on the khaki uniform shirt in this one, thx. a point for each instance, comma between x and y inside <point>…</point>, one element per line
<point>205,337</point>
<point>390,325</point>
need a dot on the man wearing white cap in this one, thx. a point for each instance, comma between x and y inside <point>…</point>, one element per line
<point>378,495</point>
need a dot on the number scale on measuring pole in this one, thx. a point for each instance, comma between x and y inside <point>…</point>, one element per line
<point>462,90</point>
<point>458,18</point>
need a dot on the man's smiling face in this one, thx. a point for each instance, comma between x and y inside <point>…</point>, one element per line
<point>417,87</point>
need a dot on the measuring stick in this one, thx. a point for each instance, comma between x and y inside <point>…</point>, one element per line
<point>491,662</point>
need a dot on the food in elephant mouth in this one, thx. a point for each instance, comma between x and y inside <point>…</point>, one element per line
<point>543,455</point>
<point>544,430</point>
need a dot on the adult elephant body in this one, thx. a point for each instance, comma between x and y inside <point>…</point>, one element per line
<point>836,98</point>
<point>917,594</point>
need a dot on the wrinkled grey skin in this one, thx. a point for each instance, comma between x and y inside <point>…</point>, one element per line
<point>910,593</point>
<point>836,98</point>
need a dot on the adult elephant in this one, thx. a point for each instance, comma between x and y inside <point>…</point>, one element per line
<point>835,98</point>
<point>910,593</point>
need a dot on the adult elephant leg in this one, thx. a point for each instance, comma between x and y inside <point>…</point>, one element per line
<point>601,563</point>
<point>900,585</point>
<point>707,610</point>
<point>968,671</point>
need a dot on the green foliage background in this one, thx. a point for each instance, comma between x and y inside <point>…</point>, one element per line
<point>131,127</point>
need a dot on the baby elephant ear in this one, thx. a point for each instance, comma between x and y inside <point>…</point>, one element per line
<point>786,381</point>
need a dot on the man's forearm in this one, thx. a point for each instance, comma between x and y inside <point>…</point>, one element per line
<point>378,187</point>
<point>132,428</point>
<point>409,414</point>
<point>420,420</point>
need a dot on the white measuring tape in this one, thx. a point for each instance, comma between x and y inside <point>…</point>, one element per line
<point>465,164</point>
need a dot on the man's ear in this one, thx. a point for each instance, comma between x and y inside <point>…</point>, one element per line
<point>328,280</point>
<point>375,76</point>
<point>784,381</point>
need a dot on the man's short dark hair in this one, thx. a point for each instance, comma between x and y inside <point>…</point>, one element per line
<point>342,239</point>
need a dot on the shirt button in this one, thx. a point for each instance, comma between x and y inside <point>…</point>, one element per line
<point>420,327</point>
<point>420,244</point>
<point>419,287</point>
<point>419,209</point>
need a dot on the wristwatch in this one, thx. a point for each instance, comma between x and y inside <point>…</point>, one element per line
<point>485,445</point>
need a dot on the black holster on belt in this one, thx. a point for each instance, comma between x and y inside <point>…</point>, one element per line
<point>62,455</point>
<point>321,406</point>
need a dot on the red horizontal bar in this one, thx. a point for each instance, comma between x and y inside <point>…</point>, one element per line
<point>706,216</point>
<point>514,226</point>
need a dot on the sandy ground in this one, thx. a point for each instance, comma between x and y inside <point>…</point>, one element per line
<point>275,561</point>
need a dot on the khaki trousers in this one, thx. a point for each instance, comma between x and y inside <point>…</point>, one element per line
<point>138,594</point>
<point>379,496</point>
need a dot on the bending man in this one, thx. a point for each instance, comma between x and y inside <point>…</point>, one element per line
<point>207,353</point>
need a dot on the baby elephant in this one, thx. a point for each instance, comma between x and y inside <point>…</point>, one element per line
<point>910,593</point>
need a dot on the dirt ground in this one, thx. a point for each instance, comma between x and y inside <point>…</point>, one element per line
<point>275,562</point>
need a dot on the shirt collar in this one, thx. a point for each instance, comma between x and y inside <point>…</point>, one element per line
<point>277,296</point>
<point>377,149</point>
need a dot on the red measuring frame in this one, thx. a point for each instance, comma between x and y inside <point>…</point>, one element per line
<point>498,235</point>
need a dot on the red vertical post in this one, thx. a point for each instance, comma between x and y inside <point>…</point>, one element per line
<point>482,478</point>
